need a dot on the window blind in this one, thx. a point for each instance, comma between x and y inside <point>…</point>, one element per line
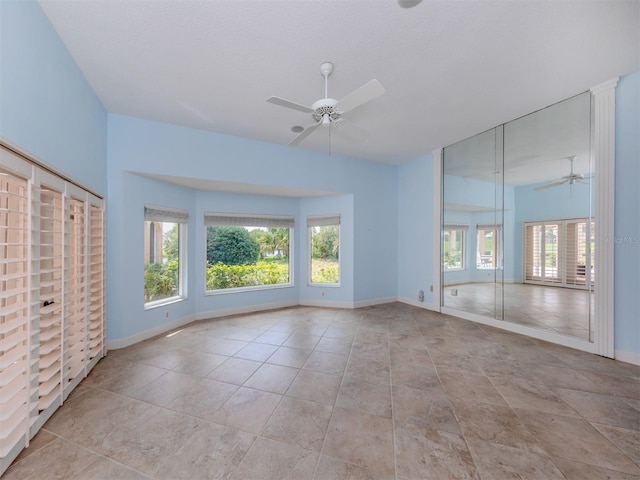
<point>241,220</point>
<point>323,220</point>
<point>453,226</point>
<point>489,226</point>
<point>559,252</point>
<point>165,214</point>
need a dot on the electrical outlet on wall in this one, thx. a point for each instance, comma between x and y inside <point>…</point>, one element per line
<point>421,296</point>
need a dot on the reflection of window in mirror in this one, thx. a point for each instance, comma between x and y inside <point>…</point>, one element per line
<point>453,248</point>
<point>488,245</point>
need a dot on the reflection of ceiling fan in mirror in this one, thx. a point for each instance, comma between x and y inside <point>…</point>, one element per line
<point>570,179</point>
<point>328,112</point>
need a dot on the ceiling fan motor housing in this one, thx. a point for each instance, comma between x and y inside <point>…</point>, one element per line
<point>325,106</point>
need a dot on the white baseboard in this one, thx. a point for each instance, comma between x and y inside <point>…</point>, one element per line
<point>375,301</point>
<point>347,305</point>
<point>325,303</point>
<point>416,303</point>
<point>484,280</point>
<point>246,309</point>
<point>627,357</point>
<point>152,332</point>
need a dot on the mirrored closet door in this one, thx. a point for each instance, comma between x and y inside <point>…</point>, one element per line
<point>518,225</point>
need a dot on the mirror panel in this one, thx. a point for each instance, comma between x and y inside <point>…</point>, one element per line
<point>518,224</point>
<point>472,254</point>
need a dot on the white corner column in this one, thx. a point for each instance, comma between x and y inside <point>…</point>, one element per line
<point>603,151</point>
<point>437,227</point>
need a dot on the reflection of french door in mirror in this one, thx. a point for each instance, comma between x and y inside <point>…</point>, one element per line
<point>519,199</point>
<point>559,253</point>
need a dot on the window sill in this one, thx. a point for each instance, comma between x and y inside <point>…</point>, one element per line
<point>163,303</point>
<point>255,288</point>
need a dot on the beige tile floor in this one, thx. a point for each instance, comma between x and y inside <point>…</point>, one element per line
<point>386,392</point>
<point>566,311</point>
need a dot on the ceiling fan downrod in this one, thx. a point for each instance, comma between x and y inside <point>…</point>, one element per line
<point>325,111</point>
<point>325,70</point>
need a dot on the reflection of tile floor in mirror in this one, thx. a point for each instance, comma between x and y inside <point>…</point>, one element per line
<point>385,392</point>
<point>562,310</point>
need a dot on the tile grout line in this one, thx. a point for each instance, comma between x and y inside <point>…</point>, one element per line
<point>393,419</point>
<point>333,407</point>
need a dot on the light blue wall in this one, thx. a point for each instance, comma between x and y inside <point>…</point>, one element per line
<point>365,196</point>
<point>467,191</point>
<point>46,106</point>
<point>627,214</point>
<point>125,233</point>
<point>415,230</point>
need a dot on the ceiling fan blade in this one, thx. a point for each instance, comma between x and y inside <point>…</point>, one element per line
<point>286,103</point>
<point>550,185</point>
<point>370,90</point>
<point>351,131</point>
<point>304,134</point>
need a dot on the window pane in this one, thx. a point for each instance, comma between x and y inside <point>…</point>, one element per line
<point>161,260</point>
<point>452,249</point>
<point>486,253</point>
<point>246,256</point>
<point>325,254</point>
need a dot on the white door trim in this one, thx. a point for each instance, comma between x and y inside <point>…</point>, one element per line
<point>603,148</point>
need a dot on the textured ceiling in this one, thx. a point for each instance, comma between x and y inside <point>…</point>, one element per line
<point>451,69</point>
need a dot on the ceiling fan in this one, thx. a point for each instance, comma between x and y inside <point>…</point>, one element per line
<point>328,112</point>
<point>570,179</point>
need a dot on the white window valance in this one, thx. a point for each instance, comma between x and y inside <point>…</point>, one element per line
<point>242,220</point>
<point>323,220</point>
<point>153,213</point>
<point>453,226</point>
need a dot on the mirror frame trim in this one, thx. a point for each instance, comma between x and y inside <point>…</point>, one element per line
<point>603,149</point>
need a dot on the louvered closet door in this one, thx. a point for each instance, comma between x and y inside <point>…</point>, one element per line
<point>96,280</point>
<point>51,293</point>
<point>52,328</point>
<point>75,293</point>
<point>14,310</point>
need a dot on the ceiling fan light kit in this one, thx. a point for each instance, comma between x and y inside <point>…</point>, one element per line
<point>408,3</point>
<point>328,112</point>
